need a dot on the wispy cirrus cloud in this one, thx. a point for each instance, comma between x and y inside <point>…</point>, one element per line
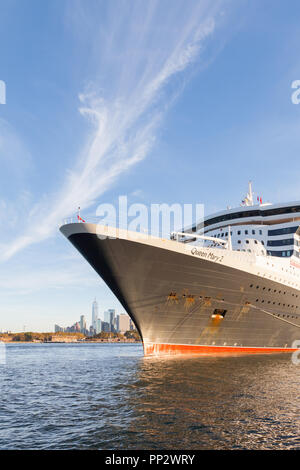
<point>138,50</point>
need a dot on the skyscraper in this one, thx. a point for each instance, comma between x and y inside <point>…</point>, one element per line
<point>107,316</point>
<point>82,324</point>
<point>124,323</point>
<point>112,313</point>
<point>94,315</point>
<point>99,326</point>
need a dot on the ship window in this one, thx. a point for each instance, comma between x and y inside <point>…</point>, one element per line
<point>239,232</point>
<point>286,241</point>
<point>281,231</point>
<point>246,232</point>
<point>226,234</point>
<point>262,242</point>
<point>239,241</point>
<point>247,241</point>
<point>280,253</point>
<point>260,232</point>
<point>253,232</point>
<point>219,311</point>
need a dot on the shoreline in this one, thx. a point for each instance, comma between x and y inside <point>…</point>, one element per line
<point>70,342</point>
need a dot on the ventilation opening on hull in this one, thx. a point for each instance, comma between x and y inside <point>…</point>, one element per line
<point>219,313</point>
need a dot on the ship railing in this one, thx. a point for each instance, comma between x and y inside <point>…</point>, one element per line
<point>119,225</point>
<point>180,236</point>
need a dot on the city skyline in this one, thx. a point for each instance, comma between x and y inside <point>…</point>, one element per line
<point>163,105</point>
<point>110,321</point>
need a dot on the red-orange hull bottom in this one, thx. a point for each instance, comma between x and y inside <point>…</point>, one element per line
<point>153,349</point>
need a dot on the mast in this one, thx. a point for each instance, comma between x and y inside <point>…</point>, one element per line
<point>250,194</point>
<point>248,200</point>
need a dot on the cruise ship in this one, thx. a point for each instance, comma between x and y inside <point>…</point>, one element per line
<point>230,284</point>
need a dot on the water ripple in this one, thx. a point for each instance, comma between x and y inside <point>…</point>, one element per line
<point>108,396</point>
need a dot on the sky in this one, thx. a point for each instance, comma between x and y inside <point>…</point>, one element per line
<point>163,101</point>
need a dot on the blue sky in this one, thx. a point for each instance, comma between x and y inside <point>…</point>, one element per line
<point>163,101</point>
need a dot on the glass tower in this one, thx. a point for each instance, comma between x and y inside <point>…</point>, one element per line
<point>94,315</point>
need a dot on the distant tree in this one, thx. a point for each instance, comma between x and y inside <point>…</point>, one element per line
<point>47,338</point>
<point>132,334</point>
<point>28,337</point>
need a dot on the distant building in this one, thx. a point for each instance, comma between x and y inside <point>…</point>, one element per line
<point>94,315</point>
<point>124,323</point>
<point>58,328</point>
<point>106,316</point>
<point>82,324</point>
<point>99,326</point>
<point>105,326</point>
<point>110,318</point>
<point>112,314</point>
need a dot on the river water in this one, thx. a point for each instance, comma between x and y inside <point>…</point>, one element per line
<point>108,396</point>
